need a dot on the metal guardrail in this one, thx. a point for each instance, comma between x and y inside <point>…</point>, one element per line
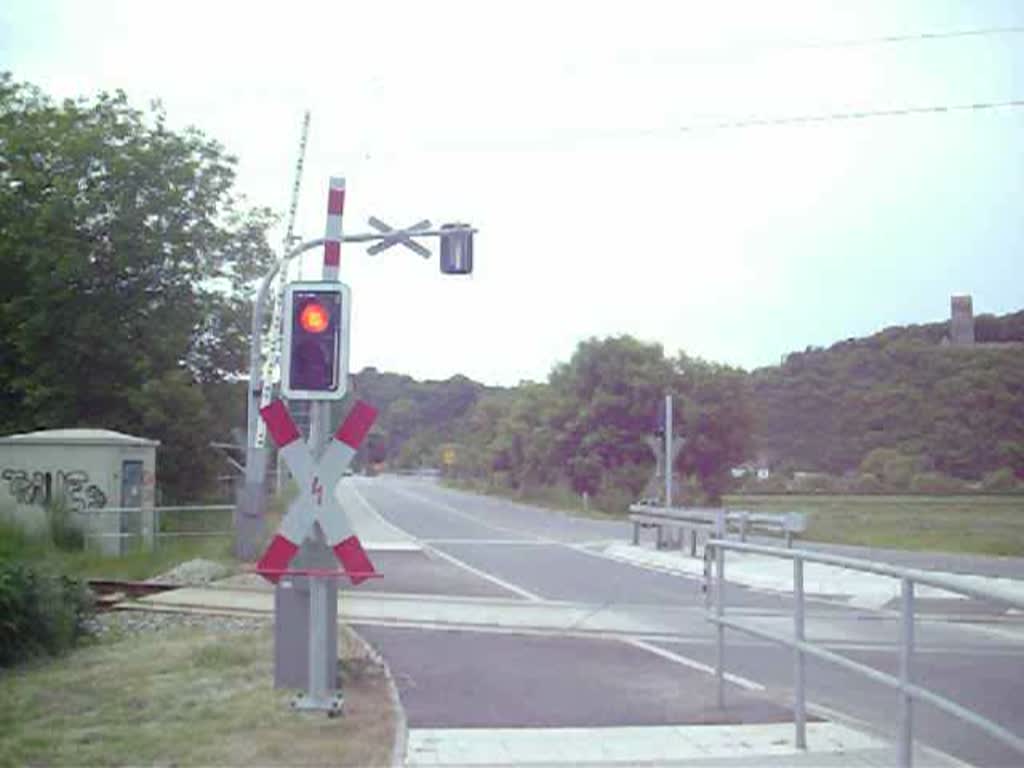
<point>740,520</point>
<point>908,690</point>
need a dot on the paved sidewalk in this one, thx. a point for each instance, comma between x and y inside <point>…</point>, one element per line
<point>829,746</point>
<point>757,739</point>
<point>858,589</point>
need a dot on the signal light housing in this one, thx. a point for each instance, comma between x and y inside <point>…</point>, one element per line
<point>314,360</point>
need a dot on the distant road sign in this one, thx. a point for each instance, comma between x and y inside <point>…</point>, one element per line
<point>448,456</point>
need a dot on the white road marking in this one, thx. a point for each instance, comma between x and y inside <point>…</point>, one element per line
<point>465,515</point>
<point>484,575</point>
<point>686,661</point>
<point>354,488</point>
<point>517,542</point>
<point>452,559</point>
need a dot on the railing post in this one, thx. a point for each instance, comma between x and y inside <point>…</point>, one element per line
<point>720,613</point>
<point>156,528</point>
<point>800,704</point>
<point>906,745</point>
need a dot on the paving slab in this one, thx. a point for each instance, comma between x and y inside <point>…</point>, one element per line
<point>452,611</point>
<point>829,745</point>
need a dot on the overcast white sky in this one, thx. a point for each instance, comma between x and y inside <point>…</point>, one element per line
<point>554,128</point>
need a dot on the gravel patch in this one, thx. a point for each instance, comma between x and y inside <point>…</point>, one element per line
<point>192,573</point>
<point>138,622</point>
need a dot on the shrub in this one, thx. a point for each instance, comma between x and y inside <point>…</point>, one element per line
<point>934,482</point>
<point>41,612</point>
<point>1000,481</point>
<point>866,484</point>
<point>65,532</point>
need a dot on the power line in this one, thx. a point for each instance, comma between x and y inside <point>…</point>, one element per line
<point>913,37</point>
<point>825,117</point>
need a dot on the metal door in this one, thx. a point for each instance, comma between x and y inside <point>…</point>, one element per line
<point>131,498</point>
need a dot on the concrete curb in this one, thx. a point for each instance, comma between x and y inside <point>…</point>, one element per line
<point>398,748</point>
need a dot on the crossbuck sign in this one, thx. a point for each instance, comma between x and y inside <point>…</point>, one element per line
<point>315,503</point>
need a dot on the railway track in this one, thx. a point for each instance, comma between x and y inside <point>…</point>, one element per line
<point>109,592</point>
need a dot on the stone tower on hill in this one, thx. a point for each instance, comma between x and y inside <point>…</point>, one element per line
<point>961,323</point>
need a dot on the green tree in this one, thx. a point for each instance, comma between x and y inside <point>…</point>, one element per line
<point>127,261</point>
<point>718,423</point>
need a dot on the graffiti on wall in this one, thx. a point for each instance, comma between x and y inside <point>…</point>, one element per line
<point>41,488</point>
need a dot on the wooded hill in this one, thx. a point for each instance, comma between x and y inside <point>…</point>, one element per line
<point>955,410</point>
<point>894,406</point>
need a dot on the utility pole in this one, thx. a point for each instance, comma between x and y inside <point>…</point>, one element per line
<point>669,456</point>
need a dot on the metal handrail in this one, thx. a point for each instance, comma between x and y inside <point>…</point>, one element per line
<point>918,576</point>
<point>908,690</point>
<point>787,523</point>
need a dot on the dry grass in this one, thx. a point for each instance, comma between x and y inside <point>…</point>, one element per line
<point>186,697</point>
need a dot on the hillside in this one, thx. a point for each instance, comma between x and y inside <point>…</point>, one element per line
<point>413,415</point>
<point>957,410</point>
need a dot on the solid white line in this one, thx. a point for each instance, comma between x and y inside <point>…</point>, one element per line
<point>373,510</point>
<point>492,629</point>
<point>517,542</point>
<point>454,560</point>
<point>459,513</point>
<point>685,661</point>
<point>484,575</point>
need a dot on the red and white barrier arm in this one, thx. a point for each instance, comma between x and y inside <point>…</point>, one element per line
<point>335,210</point>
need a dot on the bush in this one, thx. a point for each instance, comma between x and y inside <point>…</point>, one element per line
<point>933,482</point>
<point>65,532</point>
<point>866,484</point>
<point>41,612</point>
<point>1000,481</point>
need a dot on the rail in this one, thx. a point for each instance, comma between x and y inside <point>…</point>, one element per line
<point>908,690</point>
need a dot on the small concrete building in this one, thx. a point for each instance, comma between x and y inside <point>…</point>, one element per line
<point>107,480</point>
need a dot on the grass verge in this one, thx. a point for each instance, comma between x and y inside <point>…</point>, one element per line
<point>986,525</point>
<point>982,524</point>
<point>188,696</point>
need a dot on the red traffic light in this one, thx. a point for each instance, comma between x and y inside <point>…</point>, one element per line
<point>314,317</point>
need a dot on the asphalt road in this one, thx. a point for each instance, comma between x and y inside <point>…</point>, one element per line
<point>482,546</point>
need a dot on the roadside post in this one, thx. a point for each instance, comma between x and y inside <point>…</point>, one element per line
<point>315,544</point>
<point>669,463</point>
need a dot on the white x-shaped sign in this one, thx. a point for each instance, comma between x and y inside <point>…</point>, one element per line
<point>315,503</point>
<point>394,236</point>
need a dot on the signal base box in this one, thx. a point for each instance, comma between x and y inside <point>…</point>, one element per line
<point>314,360</point>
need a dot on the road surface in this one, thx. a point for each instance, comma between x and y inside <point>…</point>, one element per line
<point>640,650</point>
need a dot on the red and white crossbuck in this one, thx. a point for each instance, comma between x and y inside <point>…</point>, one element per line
<point>315,503</point>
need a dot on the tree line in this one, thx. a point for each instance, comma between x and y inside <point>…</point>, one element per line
<point>894,412</point>
<point>127,261</point>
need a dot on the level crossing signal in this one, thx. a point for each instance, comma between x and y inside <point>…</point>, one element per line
<point>316,330</point>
